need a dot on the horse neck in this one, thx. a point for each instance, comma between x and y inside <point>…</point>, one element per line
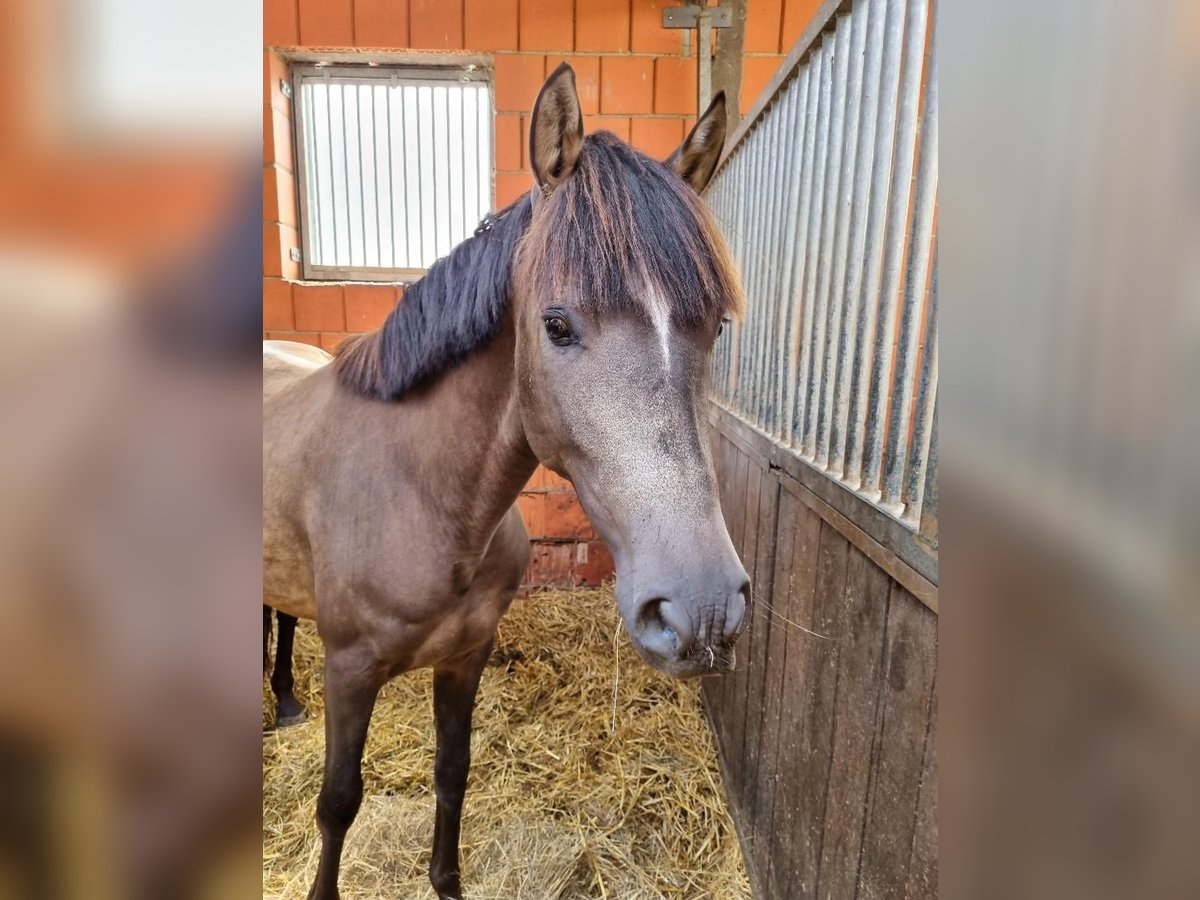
<point>470,439</point>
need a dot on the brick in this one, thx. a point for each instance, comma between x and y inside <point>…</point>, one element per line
<point>277,139</point>
<point>543,479</point>
<point>626,85</point>
<point>550,565</point>
<point>490,25</point>
<point>533,513</point>
<point>289,239</point>
<point>510,143</point>
<point>762,26</point>
<point>675,86</point>
<point>272,257</point>
<point>601,25</point>
<point>381,23</point>
<point>318,307</point>
<point>587,79</point>
<point>279,196</point>
<point>658,138</point>
<point>330,342</point>
<point>275,71</point>
<point>510,186</point>
<point>618,125</point>
<point>647,34</point>
<point>756,73</point>
<point>327,23</point>
<point>518,80</point>
<point>547,25</point>
<point>368,305</point>
<point>565,517</point>
<point>796,16</point>
<point>296,336</point>
<point>281,27</point>
<point>593,563</point>
<point>437,24</point>
<point>277,305</point>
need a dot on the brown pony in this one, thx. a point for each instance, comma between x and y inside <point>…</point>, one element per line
<point>574,328</point>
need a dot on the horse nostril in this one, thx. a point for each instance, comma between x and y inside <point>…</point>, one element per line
<point>737,617</point>
<point>650,620</point>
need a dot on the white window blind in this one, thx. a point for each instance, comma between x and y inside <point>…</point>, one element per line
<point>395,166</point>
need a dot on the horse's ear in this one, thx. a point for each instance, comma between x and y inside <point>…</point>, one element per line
<point>698,155</point>
<point>556,134</point>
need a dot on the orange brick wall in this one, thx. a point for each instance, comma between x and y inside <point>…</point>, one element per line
<point>633,80</point>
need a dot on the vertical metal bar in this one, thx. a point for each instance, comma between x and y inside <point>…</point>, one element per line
<point>814,437</point>
<point>881,172</point>
<point>784,216</point>
<point>779,121</point>
<point>425,258</point>
<point>362,176</point>
<point>404,157</point>
<point>787,184</point>
<point>898,209</point>
<point>375,173</point>
<point>332,189</point>
<point>766,263</point>
<point>830,298</point>
<point>391,176</point>
<point>915,281</point>
<point>795,132</point>
<point>817,250</point>
<point>754,253</point>
<point>311,160</point>
<point>704,56</point>
<point>800,309</point>
<point>811,197</point>
<point>836,336</point>
<point>462,159</point>
<point>918,461</point>
<point>869,110</point>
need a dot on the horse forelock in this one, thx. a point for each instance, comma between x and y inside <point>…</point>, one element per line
<point>624,233</point>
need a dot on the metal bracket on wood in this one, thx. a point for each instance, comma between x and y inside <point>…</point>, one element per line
<point>704,19</point>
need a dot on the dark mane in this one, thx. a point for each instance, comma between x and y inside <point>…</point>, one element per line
<point>622,227</point>
<point>456,307</point>
<point>625,225</point>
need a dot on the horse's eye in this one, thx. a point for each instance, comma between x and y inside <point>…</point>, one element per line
<point>559,331</point>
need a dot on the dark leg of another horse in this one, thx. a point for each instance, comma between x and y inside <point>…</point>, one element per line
<point>266,638</point>
<point>453,702</point>
<point>350,692</point>
<point>289,711</point>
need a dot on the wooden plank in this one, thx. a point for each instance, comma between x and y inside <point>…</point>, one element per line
<point>861,634</point>
<point>789,515</point>
<point>795,585</point>
<point>746,541</point>
<point>808,719</point>
<point>909,669</point>
<point>923,861</point>
<point>760,631</point>
<point>716,691</point>
<point>894,547</point>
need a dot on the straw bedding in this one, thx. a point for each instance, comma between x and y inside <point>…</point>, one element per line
<point>567,799</point>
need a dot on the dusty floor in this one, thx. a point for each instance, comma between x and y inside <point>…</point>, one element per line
<point>570,796</point>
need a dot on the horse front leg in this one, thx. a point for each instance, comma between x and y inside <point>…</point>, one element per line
<point>454,690</point>
<point>351,686</point>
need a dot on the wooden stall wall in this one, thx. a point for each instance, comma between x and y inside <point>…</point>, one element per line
<point>827,730</point>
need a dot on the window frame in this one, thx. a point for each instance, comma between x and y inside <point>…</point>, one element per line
<point>423,72</point>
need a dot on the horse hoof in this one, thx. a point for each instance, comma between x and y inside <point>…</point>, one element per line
<point>288,721</point>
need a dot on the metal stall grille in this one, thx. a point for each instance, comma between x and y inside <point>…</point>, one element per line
<point>828,198</point>
<point>395,166</point>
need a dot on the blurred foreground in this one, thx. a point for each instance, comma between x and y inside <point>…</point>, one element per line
<point>1070,425</point>
<point>130,258</point>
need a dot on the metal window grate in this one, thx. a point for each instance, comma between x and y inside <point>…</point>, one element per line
<point>828,200</point>
<point>395,166</point>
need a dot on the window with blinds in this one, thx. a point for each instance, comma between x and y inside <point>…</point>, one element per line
<point>394,165</point>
